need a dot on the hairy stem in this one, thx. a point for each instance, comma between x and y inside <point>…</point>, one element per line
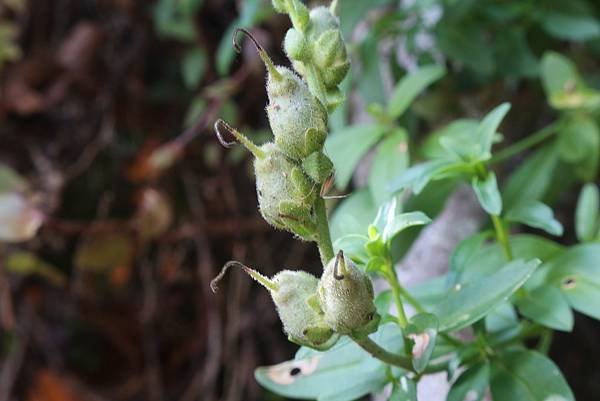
<point>525,143</point>
<point>323,235</point>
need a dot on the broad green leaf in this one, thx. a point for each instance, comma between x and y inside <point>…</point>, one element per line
<point>547,306</point>
<point>404,389</point>
<point>578,143</point>
<point>502,317</point>
<point>586,213</point>
<point>446,141</point>
<point>422,331</point>
<point>490,258</point>
<point>576,271</point>
<point>346,147</point>
<point>468,302</point>
<point>535,214</point>
<point>343,373</point>
<point>527,376</point>
<point>353,215</point>
<point>403,221</point>
<point>571,27</point>
<point>418,176</point>
<point>532,179</point>
<point>463,254</point>
<point>558,73</point>
<point>488,194</point>
<point>487,128</point>
<point>471,384</point>
<point>193,67</point>
<point>391,159</point>
<point>411,86</point>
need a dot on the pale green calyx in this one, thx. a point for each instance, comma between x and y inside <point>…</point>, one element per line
<point>293,293</point>
<point>346,296</point>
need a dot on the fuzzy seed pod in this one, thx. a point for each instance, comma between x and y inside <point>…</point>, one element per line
<point>298,120</point>
<point>285,195</point>
<point>294,295</point>
<point>346,296</point>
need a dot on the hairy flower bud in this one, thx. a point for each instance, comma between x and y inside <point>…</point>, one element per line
<point>294,295</point>
<point>346,296</point>
<point>319,54</point>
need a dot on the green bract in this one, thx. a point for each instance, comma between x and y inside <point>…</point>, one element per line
<point>346,296</point>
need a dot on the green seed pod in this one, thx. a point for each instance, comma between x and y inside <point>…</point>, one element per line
<point>286,196</point>
<point>298,120</point>
<point>294,295</point>
<point>346,296</point>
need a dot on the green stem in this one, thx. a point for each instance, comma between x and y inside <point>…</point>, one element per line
<point>383,355</point>
<point>323,235</point>
<point>392,279</point>
<point>525,143</point>
<point>502,236</point>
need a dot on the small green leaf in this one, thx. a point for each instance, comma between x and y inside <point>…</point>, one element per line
<point>411,86</point>
<point>353,246</point>
<point>422,331</point>
<point>527,376</point>
<point>26,263</point>
<point>444,142</point>
<point>402,222</point>
<point>547,306</point>
<point>312,374</point>
<point>348,146</point>
<point>488,194</point>
<point>571,27</point>
<point>558,73</point>
<point>391,159</point>
<point>468,302</point>
<point>404,389</point>
<point>352,215</point>
<point>418,176</point>
<point>586,213</point>
<point>488,127</point>
<point>471,384</point>
<point>532,179</point>
<point>535,214</point>
<point>193,67</point>
<point>576,272</point>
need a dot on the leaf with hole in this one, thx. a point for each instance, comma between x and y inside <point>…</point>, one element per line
<point>422,332</point>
